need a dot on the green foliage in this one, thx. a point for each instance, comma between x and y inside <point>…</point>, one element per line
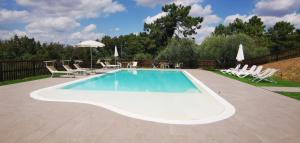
<point>142,56</point>
<point>283,36</point>
<point>254,28</point>
<point>24,48</point>
<point>180,51</point>
<point>177,19</point>
<point>128,46</point>
<point>279,37</point>
<point>224,48</point>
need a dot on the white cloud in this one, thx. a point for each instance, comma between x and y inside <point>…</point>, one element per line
<point>80,36</point>
<point>151,3</point>
<point>293,18</point>
<point>269,21</point>
<point>203,32</point>
<point>75,8</point>
<point>90,28</point>
<point>231,18</point>
<point>45,25</point>
<point>58,20</point>
<point>186,2</point>
<point>6,34</point>
<point>151,19</point>
<point>276,7</point>
<point>211,20</point>
<point>7,16</point>
<point>198,10</point>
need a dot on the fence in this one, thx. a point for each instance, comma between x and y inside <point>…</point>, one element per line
<point>281,55</point>
<point>18,69</point>
<point>10,70</point>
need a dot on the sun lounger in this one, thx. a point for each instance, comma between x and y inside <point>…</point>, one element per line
<point>77,66</point>
<point>113,66</point>
<point>264,72</point>
<point>231,69</point>
<point>266,76</point>
<point>132,64</point>
<point>242,74</point>
<point>257,71</point>
<point>54,71</point>
<point>109,66</point>
<point>239,70</point>
<point>80,71</point>
<point>178,65</point>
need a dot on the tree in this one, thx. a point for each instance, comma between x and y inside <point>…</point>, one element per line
<point>221,30</point>
<point>255,27</point>
<point>180,51</point>
<point>237,26</point>
<point>224,48</point>
<point>281,36</point>
<point>177,19</point>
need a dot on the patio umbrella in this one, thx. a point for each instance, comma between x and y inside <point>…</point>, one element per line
<point>116,54</point>
<point>240,54</point>
<point>90,44</point>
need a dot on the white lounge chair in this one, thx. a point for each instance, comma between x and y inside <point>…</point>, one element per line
<point>266,76</point>
<point>132,65</point>
<point>257,71</point>
<point>239,70</point>
<point>108,66</point>
<point>264,72</point>
<point>77,66</point>
<point>243,74</point>
<point>178,65</point>
<point>65,64</point>
<point>54,72</point>
<point>230,69</point>
<point>113,66</point>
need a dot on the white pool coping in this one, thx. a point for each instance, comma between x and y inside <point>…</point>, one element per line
<point>229,110</point>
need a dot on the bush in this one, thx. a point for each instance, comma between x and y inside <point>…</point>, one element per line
<point>180,51</point>
<point>142,56</point>
<point>224,48</point>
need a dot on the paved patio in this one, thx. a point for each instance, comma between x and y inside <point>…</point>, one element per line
<point>261,117</point>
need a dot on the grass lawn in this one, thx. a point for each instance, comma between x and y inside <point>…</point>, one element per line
<point>23,80</point>
<point>295,95</point>
<point>280,83</point>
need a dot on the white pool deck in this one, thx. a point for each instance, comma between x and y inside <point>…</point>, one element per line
<point>186,108</point>
<point>261,117</point>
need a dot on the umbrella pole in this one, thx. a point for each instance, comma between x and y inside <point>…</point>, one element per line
<point>91,58</point>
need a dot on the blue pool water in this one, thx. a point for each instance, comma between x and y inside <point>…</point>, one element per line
<point>138,81</point>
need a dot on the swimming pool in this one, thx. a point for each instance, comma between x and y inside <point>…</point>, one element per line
<point>163,96</point>
<point>138,81</point>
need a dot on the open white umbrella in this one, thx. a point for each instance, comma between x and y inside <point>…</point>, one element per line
<point>90,44</point>
<point>240,55</point>
<point>116,54</point>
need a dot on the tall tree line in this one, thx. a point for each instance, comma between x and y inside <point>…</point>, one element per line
<point>145,45</point>
<point>283,35</point>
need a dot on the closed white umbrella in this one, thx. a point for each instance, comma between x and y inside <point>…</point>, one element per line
<point>116,54</point>
<point>90,44</point>
<point>240,55</point>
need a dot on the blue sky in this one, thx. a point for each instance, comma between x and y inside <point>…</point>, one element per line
<point>69,22</point>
